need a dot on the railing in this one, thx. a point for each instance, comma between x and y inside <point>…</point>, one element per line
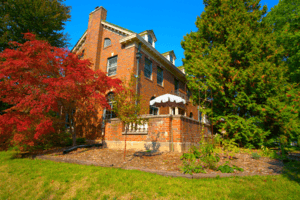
<point>136,128</point>
<point>180,94</point>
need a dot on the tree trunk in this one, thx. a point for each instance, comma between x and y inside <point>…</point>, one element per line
<point>126,128</point>
<point>72,128</point>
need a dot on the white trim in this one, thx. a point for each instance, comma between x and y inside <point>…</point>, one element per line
<point>116,28</point>
<point>79,43</point>
<point>147,44</point>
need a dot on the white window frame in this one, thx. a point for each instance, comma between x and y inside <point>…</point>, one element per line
<point>162,76</point>
<point>111,67</point>
<point>105,42</point>
<point>146,68</point>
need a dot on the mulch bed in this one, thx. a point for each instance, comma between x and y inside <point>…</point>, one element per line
<point>164,163</point>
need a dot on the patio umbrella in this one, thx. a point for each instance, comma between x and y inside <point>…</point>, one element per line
<point>169,100</point>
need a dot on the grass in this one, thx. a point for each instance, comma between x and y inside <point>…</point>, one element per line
<point>40,179</point>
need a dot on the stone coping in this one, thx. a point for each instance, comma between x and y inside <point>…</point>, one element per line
<point>159,172</point>
<point>164,116</point>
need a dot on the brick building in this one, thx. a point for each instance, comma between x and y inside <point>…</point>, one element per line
<point>116,50</point>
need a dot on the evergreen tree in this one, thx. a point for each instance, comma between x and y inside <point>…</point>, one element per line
<point>285,19</point>
<point>233,57</point>
<point>44,18</point>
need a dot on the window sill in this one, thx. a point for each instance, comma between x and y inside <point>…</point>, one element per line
<point>112,76</point>
<point>135,133</point>
<point>107,47</point>
<point>148,79</point>
<point>160,85</point>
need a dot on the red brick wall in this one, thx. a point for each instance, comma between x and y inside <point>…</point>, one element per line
<point>148,88</point>
<point>183,130</point>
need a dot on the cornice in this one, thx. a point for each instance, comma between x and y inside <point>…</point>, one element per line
<point>168,65</point>
<point>115,28</point>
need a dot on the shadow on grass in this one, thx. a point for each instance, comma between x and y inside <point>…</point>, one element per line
<point>292,170</point>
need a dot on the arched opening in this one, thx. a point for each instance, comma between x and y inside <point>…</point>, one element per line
<point>191,115</point>
<point>110,99</point>
<point>153,109</point>
<point>107,42</point>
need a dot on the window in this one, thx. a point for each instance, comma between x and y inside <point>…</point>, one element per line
<point>112,66</point>
<point>110,99</point>
<point>150,40</point>
<point>148,68</point>
<point>176,85</point>
<point>82,54</point>
<point>107,42</point>
<point>191,115</point>
<point>160,76</point>
<point>171,58</point>
<point>153,109</point>
<point>200,116</point>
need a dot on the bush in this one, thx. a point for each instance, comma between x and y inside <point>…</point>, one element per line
<point>256,156</point>
<point>199,158</point>
<point>227,169</point>
<point>80,141</point>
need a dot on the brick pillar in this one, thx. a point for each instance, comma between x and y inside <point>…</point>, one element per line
<point>94,36</point>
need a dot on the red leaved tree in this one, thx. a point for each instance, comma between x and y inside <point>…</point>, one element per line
<point>44,84</point>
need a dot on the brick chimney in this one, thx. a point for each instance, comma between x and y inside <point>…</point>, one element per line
<point>94,36</point>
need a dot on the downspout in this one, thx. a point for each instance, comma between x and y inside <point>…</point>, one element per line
<point>138,57</point>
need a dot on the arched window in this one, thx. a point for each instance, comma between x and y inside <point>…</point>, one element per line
<point>153,109</point>
<point>107,42</point>
<point>191,115</point>
<point>110,99</point>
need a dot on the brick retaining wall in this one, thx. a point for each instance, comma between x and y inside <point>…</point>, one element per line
<point>160,136</point>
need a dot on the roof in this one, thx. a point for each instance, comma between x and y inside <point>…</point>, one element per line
<point>81,38</point>
<point>168,52</point>
<point>125,29</point>
<point>148,31</point>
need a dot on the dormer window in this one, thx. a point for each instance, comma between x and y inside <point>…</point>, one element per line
<point>171,58</point>
<point>149,37</point>
<point>170,55</point>
<point>150,40</point>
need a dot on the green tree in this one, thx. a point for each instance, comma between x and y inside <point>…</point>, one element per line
<point>127,107</point>
<point>285,21</point>
<point>234,58</point>
<point>44,18</point>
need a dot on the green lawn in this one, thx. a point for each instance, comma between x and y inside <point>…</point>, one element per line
<point>39,179</point>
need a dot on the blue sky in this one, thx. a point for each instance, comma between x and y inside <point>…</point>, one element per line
<point>170,20</point>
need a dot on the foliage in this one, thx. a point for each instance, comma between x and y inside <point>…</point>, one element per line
<point>233,57</point>
<point>45,84</point>
<point>80,140</point>
<point>192,166</point>
<point>45,18</point>
<point>285,19</point>
<point>229,144</point>
<point>199,158</point>
<point>227,169</point>
<point>256,156</point>
<point>127,106</point>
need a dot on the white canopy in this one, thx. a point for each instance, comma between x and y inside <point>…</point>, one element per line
<point>167,100</point>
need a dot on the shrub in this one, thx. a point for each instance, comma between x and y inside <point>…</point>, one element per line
<point>227,169</point>
<point>255,156</point>
<point>80,141</point>
<point>205,157</point>
<point>229,145</point>
<point>190,167</point>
